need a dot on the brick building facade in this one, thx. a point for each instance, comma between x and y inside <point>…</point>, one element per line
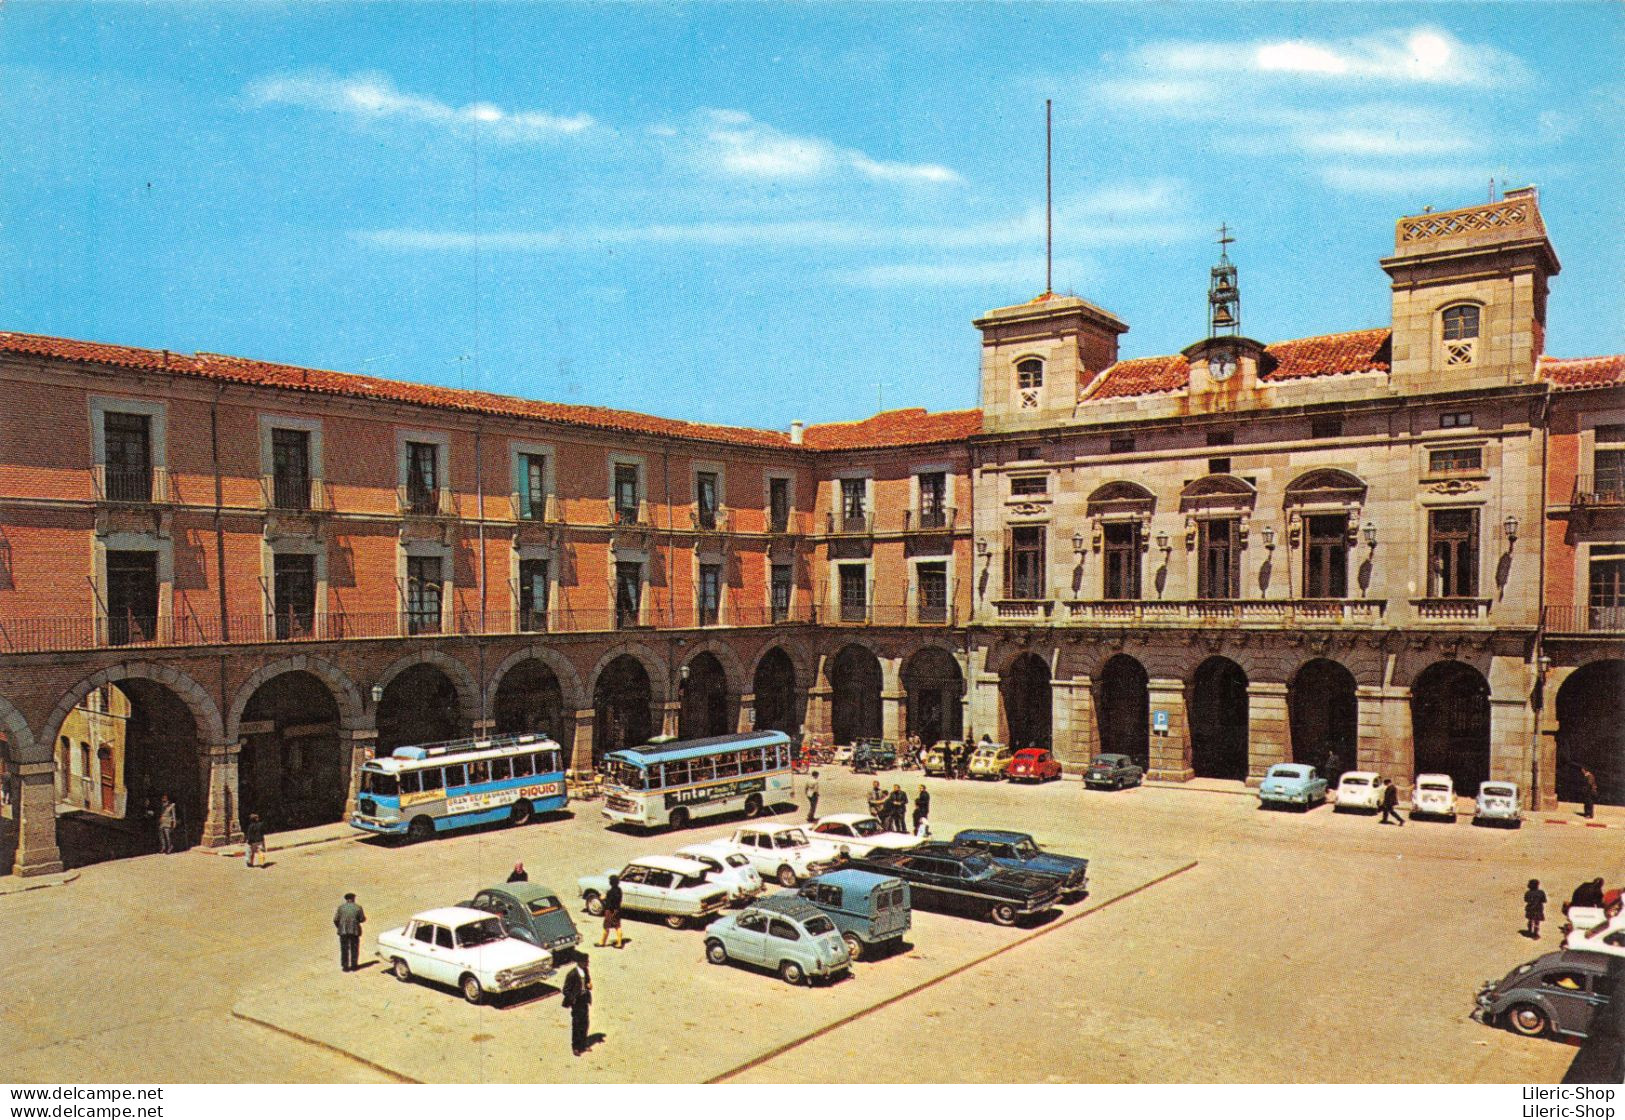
<point>1213,560</point>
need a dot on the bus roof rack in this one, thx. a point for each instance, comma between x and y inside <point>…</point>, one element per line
<point>465,746</point>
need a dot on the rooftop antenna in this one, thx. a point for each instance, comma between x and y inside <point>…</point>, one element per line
<point>1049,202</point>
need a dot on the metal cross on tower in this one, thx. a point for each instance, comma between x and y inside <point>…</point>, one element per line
<point>1223,295</point>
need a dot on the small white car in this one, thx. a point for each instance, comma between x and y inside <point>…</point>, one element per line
<point>1359,789</point>
<point>730,868</point>
<point>785,852</point>
<point>860,833</point>
<point>466,949</point>
<point>675,888</point>
<point>841,753</point>
<point>1607,937</point>
<point>1497,803</point>
<point>1434,796</point>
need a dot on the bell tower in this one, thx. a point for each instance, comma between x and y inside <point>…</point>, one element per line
<point>1038,356</point>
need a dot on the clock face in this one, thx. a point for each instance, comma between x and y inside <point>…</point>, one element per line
<point>1221,364</point>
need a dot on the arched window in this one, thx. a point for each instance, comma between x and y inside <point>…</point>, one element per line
<point>1029,379</point>
<point>1460,334</point>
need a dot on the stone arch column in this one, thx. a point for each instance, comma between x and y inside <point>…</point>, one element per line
<point>1170,749</point>
<point>33,798</point>
<point>1076,733</point>
<point>1267,735</point>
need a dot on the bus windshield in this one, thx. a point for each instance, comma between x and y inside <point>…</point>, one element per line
<point>379,784</point>
<point>626,775</point>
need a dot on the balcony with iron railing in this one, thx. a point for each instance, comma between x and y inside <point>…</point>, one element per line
<point>709,520</point>
<point>622,515</point>
<point>1567,619</point>
<point>414,500</point>
<point>293,494</point>
<point>1599,491</point>
<point>930,519</point>
<point>131,485</point>
<point>849,524</point>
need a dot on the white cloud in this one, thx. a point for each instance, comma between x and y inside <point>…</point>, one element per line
<point>374,97</point>
<point>1423,182</point>
<point>1014,272</point>
<point>736,144</point>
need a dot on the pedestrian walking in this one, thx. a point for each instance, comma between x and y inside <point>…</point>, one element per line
<point>897,809</point>
<point>922,813</point>
<point>812,797</point>
<point>612,913</point>
<point>1588,790</point>
<point>254,837</point>
<point>1534,910</point>
<point>578,998</point>
<point>1390,803</point>
<point>947,748</point>
<point>168,817</point>
<point>348,920</point>
<point>519,874</point>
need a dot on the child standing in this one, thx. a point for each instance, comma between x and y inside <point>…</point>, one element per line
<point>1534,909</point>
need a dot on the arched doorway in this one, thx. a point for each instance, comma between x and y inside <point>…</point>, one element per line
<point>936,689</point>
<point>855,695</point>
<point>1024,694</point>
<point>1450,724</point>
<point>1123,709</point>
<point>10,810</point>
<point>620,700</point>
<point>530,701</point>
<point>703,710</point>
<point>1218,720</point>
<point>294,770</point>
<point>420,705</point>
<point>1591,732</point>
<point>1324,716</point>
<point>774,686</point>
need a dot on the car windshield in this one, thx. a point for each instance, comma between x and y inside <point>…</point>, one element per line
<point>1497,791</point>
<point>818,926</point>
<point>626,775</point>
<point>977,866</point>
<point>379,784</point>
<point>794,838</point>
<point>1352,781</point>
<point>544,905</point>
<point>866,827</point>
<point>691,881</point>
<point>1284,772</point>
<point>738,861</point>
<point>480,933</point>
<point>1105,761</point>
<point>1026,849</point>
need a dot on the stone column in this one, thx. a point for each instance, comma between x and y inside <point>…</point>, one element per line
<point>1170,753</point>
<point>671,712</point>
<point>363,747</point>
<point>1512,722</point>
<point>221,825</point>
<point>37,853</point>
<point>1384,724</point>
<point>1545,795</point>
<point>982,708</point>
<point>1076,734</point>
<point>586,721</point>
<point>818,711</point>
<point>1269,731</point>
<point>893,715</point>
<point>747,712</point>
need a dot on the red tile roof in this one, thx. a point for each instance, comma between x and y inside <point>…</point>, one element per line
<point>1319,356</point>
<point>906,427</point>
<point>1584,373</point>
<point>903,427</point>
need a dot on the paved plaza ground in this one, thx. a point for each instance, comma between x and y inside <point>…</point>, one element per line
<point>1218,943</point>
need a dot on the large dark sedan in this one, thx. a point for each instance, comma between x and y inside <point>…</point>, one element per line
<point>959,877</point>
<point>1020,852</point>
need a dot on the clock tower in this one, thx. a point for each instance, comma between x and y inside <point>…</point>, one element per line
<point>1226,359</point>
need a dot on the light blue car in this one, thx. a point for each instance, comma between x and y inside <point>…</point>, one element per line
<point>783,933</point>
<point>1292,783</point>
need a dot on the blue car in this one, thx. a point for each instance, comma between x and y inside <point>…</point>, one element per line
<point>872,911</point>
<point>1292,783</point>
<point>1021,852</point>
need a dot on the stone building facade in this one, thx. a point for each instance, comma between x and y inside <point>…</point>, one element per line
<point>1215,560</point>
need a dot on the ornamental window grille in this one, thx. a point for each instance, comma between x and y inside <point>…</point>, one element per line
<point>1460,334</point>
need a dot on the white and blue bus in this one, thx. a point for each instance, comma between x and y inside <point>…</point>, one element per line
<point>673,783</point>
<point>419,791</point>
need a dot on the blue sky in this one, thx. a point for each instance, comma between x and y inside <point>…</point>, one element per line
<point>753,213</point>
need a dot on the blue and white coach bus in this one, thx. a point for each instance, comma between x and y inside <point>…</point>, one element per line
<point>673,783</point>
<point>419,791</point>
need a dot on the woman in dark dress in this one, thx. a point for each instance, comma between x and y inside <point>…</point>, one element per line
<point>1534,909</point>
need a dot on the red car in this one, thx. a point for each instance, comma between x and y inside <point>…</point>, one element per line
<point>1033,765</point>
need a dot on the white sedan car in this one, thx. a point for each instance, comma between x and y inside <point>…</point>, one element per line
<point>466,949</point>
<point>1607,937</point>
<point>1434,796</point>
<point>677,889</point>
<point>730,868</point>
<point>860,833</point>
<point>785,852</point>
<point>1359,789</point>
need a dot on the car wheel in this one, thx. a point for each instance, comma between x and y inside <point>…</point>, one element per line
<point>595,904</point>
<point>716,952</point>
<point>1528,1020</point>
<point>791,972</point>
<point>521,812</point>
<point>472,991</point>
<point>1003,914</point>
<point>753,806</point>
<point>854,945</point>
<point>421,829</point>
<point>679,818</point>
<point>676,921</point>
<point>399,969</point>
<point>787,876</point>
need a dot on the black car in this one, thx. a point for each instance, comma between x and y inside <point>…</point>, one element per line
<point>960,877</point>
<point>869,755</point>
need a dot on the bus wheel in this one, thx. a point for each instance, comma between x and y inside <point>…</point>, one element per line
<point>679,817</point>
<point>753,806</point>
<point>521,812</point>
<point>421,828</point>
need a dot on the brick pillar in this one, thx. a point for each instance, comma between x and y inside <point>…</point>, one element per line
<point>37,853</point>
<point>893,715</point>
<point>581,749</point>
<point>363,747</point>
<point>1268,729</point>
<point>818,711</point>
<point>747,712</point>
<point>1076,733</point>
<point>221,823</point>
<point>1170,753</point>
<point>1385,744</point>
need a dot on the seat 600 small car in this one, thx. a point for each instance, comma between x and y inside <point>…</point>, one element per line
<point>781,932</point>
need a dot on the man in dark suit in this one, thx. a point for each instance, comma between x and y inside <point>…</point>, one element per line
<point>347,920</point>
<point>1390,803</point>
<point>578,998</point>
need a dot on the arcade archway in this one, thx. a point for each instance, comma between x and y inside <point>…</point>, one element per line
<point>1591,732</point>
<point>1218,720</point>
<point>530,701</point>
<point>294,768</point>
<point>855,681</point>
<point>1324,714</point>
<point>1450,724</point>
<point>620,699</point>
<point>420,705</point>
<point>936,691</point>
<point>703,710</point>
<point>1123,709</point>
<point>774,686</point>
<point>1024,695</point>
